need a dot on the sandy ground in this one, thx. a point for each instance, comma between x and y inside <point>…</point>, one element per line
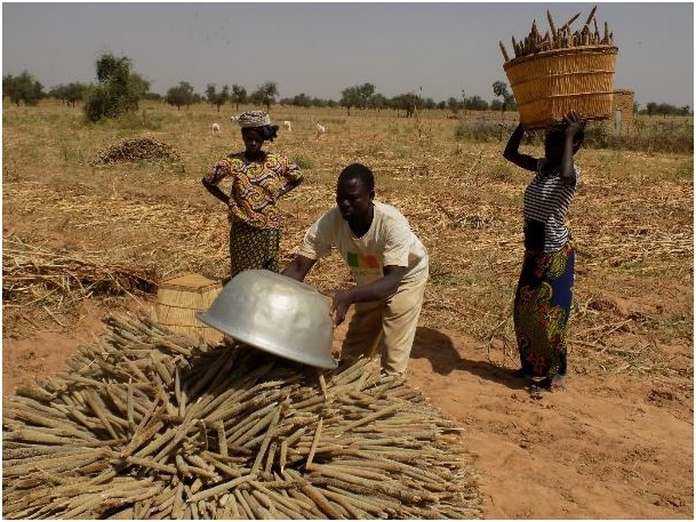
<point>614,447</point>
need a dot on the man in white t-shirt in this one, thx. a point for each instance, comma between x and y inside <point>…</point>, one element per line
<point>388,262</point>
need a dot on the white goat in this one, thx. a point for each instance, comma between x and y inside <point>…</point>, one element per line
<point>288,125</point>
<point>215,127</point>
<point>320,129</point>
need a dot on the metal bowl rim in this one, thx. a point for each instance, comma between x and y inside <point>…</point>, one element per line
<point>252,340</point>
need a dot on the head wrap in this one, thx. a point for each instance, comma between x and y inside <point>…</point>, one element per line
<point>252,119</point>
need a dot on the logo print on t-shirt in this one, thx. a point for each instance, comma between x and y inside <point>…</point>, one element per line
<point>362,260</point>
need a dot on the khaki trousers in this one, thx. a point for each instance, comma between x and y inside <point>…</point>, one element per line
<point>387,327</point>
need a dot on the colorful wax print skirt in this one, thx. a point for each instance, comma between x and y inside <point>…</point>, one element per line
<point>542,309</point>
<point>253,248</point>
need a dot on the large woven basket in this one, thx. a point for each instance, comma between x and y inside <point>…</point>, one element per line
<point>550,84</point>
<point>178,301</point>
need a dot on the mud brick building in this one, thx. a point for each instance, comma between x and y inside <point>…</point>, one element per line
<point>622,111</point>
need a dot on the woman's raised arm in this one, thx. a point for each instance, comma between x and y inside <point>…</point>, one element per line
<point>513,155</point>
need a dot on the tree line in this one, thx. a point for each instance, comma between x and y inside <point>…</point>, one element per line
<point>118,89</point>
<point>663,109</point>
<point>362,96</point>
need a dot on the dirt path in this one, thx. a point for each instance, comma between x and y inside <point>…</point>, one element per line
<point>605,448</point>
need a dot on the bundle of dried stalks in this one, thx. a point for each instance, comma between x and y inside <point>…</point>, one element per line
<point>137,149</point>
<point>145,425</point>
<point>35,276</point>
<point>562,38</point>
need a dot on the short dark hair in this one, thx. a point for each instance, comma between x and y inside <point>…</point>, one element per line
<point>361,173</point>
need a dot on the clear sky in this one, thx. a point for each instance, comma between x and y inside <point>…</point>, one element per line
<point>320,49</point>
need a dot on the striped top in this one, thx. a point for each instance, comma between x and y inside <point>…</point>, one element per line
<point>546,201</point>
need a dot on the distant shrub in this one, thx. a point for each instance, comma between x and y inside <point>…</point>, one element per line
<point>656,136</point>
<point>23,88</point>
<point>481,131</point>
<point>303,162</point>
<point>118,90</point>
<point>100,104</point>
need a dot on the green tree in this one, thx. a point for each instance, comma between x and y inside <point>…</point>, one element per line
<point>7,83</point>
<point>153,96</point>
<point>58,93</point>
<point>265,95</point>
<point>217,98</point>
<point>301,100</point>
<point>454,105</point>
<point>181,95</point>
<point>500,89</point>
<point>74,92</point>
<point>22,89</point>
<point>350,97</point>
<point>115,74</point>
<point>407,102</point>
<point>650,108</point>
<point>377,101</point>
<point>70,94</point>
<point>239,95</point>
<point>365,92</point>
<point>665,109</point>
<point>118,90</point>
<point>357,96</point>
<point>139,86</point>
<point>475,103</point>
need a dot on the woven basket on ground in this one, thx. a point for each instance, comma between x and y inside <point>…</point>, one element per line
<point>180,298</point>
<point>549,84</point>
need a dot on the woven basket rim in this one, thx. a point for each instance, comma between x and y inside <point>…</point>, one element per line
<point>588,49</point>
<point>570,95</point>
<point>543,126</point>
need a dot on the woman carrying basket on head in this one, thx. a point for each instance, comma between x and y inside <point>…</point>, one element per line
<point>544,293</point>
<point>259,179</point>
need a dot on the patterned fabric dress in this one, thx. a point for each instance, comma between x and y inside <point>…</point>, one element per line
<point>542,309</point>
<point>254,219</point>
<point>545,290</point>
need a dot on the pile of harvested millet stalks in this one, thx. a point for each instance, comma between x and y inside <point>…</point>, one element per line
<point>36,275</point>
<point>561,38</point>
<point>146,425</point>
<point>137,149</point>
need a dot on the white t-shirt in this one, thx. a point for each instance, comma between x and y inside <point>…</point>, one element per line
<point>389,242</point>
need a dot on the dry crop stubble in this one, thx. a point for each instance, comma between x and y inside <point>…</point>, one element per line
<point>631,218</point>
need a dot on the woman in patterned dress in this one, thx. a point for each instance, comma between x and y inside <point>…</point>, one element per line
<point>545,290</point>
<point>259,179</point>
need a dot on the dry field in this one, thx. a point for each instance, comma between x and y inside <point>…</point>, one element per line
<point>617,443</point>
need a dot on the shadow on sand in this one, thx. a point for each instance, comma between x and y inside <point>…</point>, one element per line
<point>440,351</point>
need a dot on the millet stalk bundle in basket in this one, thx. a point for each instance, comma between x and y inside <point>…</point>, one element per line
<point>562,38</point>
<point>562,72</point>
